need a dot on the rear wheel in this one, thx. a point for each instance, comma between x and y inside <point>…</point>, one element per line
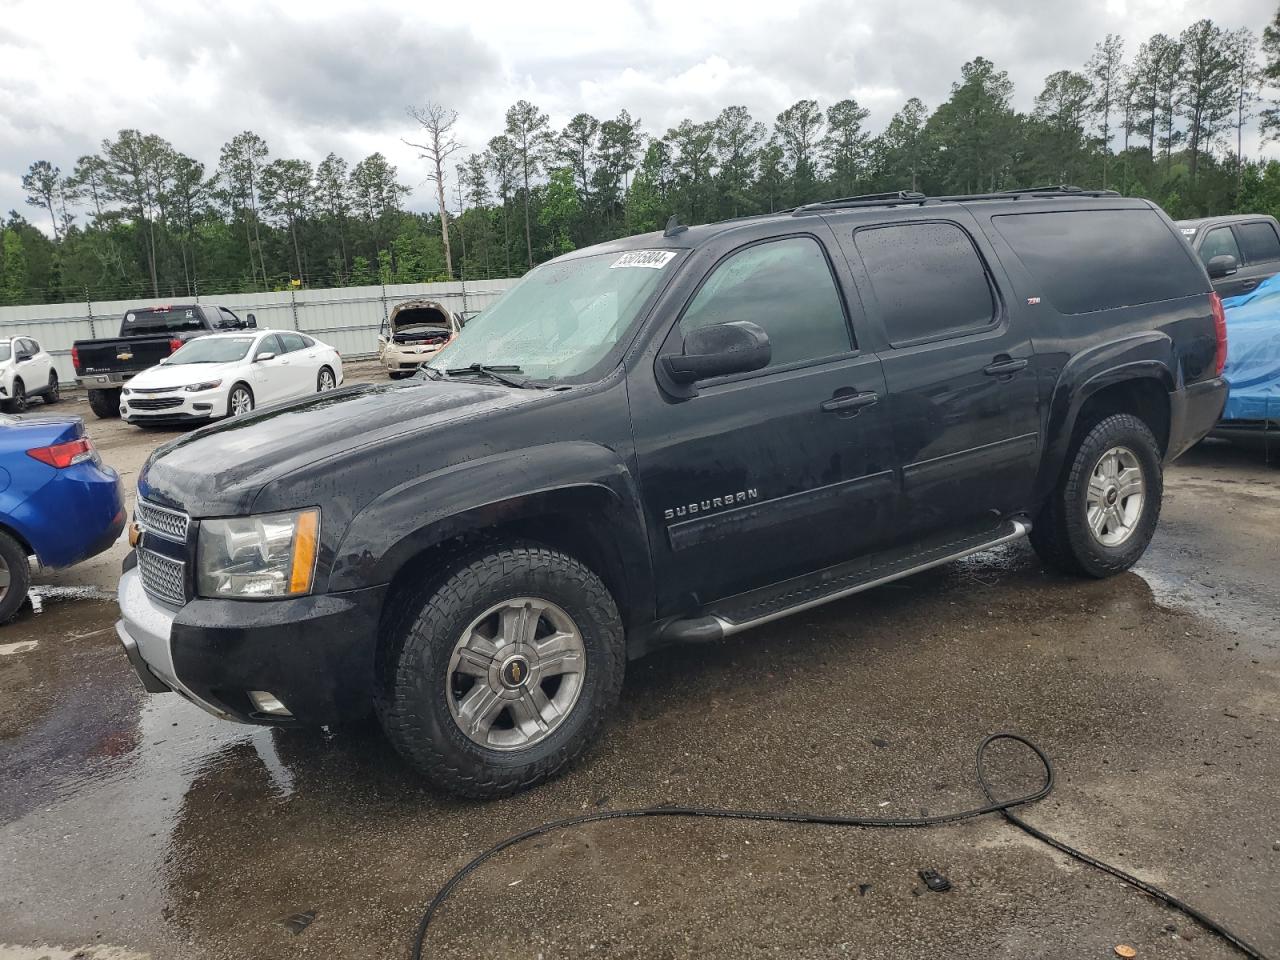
<point>15,576</point>
<point>498,676</point>
<point>105,403</point>
<point>1103,513</point>
<point>54,392</point>
<point>18,400</point>
<point>325,381</point>
<point>240,401</point>
<point>399,374</point>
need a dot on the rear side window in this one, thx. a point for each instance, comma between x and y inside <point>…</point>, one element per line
<point>1259,242</point>
<point>1219,242</point>
<point>928,280</point>
<point>1087,260</point>
<point>291,342</point>
<point>784,286</point>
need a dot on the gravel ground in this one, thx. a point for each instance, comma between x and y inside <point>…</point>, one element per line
<point>135,826</point>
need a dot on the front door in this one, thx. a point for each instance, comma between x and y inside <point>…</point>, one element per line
<point>770,474</point>
<point>958,367</point>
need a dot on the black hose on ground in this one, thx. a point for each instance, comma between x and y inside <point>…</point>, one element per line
<point>1003,807</point>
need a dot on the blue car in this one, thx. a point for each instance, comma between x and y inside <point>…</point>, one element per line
<point>58,502</point>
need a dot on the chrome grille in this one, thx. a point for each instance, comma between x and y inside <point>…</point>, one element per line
<point>169,524</point>
<point>154,403</point>
<point>162,577</point>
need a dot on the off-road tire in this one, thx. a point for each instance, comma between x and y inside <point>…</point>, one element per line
<point>1061,535</point>
<point>105,404</point>
<point>18,402</point>
<point>15,558</point>
<point>419,634</point>
<point>54,392</point>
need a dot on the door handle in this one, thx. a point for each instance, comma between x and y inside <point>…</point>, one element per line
<point>850,401</point>
<point>1249,284</point>
<point>1003,366</point>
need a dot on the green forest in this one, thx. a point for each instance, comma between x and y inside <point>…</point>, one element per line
<point>1167,119</point>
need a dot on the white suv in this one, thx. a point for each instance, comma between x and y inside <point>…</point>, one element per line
<point>25,371</point>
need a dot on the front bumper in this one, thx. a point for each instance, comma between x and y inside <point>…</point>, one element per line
<point>315,654</point>
<point>1193,412</point>
<point>185,406</point>
<point>406,358</point>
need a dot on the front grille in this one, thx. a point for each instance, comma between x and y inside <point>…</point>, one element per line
<point>162,577</point>
<point>168,523</point>
<point>133,390</point>
<point>154,403</point>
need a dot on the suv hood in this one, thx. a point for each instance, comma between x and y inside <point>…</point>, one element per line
<point>219,470</point>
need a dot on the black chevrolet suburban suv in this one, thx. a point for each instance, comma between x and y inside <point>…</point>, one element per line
<point>674,438</point>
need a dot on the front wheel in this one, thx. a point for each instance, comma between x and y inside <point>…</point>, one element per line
<point>18,400</point>
<point>497,677</point>
<point>240,401</point>
<point>1103,513</point>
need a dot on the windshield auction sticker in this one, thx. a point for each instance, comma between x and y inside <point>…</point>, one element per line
<point>653,259</point>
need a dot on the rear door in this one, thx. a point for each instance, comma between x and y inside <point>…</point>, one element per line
<point>962,396</point>
<point>770,474</point>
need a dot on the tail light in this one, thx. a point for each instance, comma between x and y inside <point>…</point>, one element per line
<point>75,358</point>
<point>1220,331</point>
<point>174,345</point>
<point>63,455</point>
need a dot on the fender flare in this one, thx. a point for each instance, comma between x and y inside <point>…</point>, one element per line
<point>1145,356</point>
<point>574,478</point>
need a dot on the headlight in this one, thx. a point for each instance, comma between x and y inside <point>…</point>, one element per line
<point>273,555</point>
<point>207,385</point>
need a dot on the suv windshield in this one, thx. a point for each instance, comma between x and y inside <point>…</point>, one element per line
<point>212,350</point>
<point>562,318</point>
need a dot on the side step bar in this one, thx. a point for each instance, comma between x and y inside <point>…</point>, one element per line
<point>711,627</point>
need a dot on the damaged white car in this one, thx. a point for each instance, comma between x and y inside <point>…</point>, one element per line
<point>418,330</point>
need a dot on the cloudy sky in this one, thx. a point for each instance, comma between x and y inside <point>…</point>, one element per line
<point>321,75</point>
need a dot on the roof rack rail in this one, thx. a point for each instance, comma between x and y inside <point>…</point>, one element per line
<point>902,197</point>
<point>1062,188</point>
<point>864,200</point>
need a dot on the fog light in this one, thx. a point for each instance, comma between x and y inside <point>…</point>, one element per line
<point>264,702</point>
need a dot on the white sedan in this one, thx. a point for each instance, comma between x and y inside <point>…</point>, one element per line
<point>227,374</point>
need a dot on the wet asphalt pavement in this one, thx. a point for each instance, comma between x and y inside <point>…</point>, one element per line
<point>134,825</point>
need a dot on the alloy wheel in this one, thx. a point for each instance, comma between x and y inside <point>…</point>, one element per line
<point>515,673</point>
<point>326,381</point>
<point>1116,495</point>
<point>241,401</point>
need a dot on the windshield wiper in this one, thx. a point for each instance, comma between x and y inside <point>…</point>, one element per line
<point>497,372</point>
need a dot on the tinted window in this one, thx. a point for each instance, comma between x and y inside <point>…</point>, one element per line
<point>151,320</point>
<point>307,342</point>
<point>1219,242</point>
<point>226,318</point>
<point>33,346</point>
<point>928,280</point>
<point>1259,242</point>
<point>291,342</point>
<point>784,286</point>
<point>1086,260</point>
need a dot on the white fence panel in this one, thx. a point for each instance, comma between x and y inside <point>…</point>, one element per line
<point>349,318</point>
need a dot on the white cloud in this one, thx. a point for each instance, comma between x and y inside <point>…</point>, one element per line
<point>313,76</point>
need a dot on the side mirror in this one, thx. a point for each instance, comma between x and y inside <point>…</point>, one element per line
<point>264,356</point>
<point>250,320</point>
<point>1223,265</point>
<point>717,351</point>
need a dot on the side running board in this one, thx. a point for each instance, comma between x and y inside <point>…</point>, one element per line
<point>736,614</point>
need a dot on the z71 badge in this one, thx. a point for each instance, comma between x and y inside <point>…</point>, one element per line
<point>706,506</point>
